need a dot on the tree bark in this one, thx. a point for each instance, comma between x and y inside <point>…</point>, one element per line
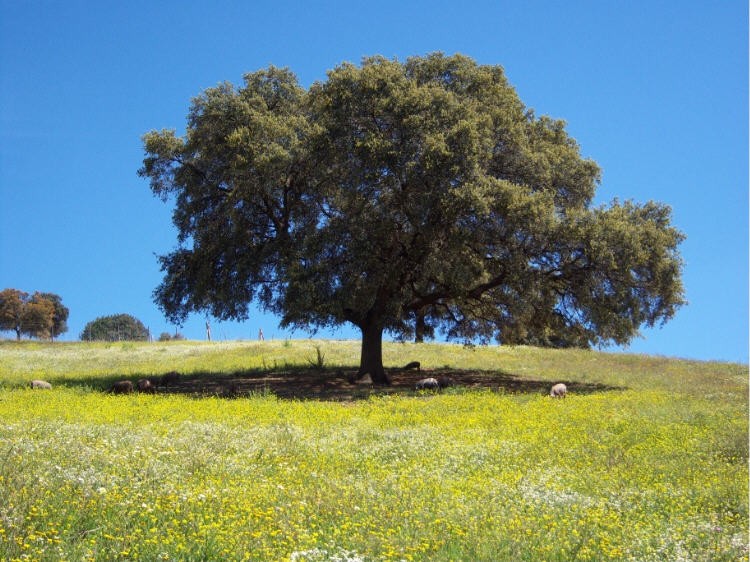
<point>371,357</point>
<point>419,328</point>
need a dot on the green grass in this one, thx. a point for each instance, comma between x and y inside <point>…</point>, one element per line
<point>654,466</point>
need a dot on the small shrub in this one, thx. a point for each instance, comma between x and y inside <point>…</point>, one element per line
<point>166,336</point>
<point>319,361</point>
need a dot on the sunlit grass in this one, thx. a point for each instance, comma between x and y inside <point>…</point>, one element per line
<point>656,471</point>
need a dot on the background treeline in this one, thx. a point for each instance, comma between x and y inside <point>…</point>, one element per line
<point>37,315</point>
<point>43,316</point>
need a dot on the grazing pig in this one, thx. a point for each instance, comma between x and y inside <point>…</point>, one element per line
<point>427,384</point>
<point>144,385</point>
<point>122,387</point>
<point>558,391</point>
<point>170,378</point>
<point>40,384</point>
<point>413,365</point>
<point>445,382</point>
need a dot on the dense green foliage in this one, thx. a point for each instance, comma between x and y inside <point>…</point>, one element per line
<point>408,198</point>
<point>41,315</point>
<point>59,316</point>
<point>117,327</point>
<point>652,467</point>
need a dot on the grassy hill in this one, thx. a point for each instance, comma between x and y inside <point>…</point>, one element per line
<point>263,451</point>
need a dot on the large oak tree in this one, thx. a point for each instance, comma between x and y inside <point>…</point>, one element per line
<point>403,198</point>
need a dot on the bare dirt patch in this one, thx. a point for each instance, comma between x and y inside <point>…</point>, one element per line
<point>335,385</point>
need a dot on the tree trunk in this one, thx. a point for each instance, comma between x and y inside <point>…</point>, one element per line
<point>419,328</point>
<point>371,358</point>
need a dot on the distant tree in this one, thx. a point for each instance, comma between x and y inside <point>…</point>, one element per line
<point>12,303</point>
<point>60,316</point>
<point>118,327</point>
<point>404,198</point>
<point>166,336</point>
<point>37,319</point>
<point>41,315</point>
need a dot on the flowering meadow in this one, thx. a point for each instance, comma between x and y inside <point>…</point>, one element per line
<point>648,463</point>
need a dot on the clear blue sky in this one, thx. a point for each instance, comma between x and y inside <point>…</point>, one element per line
<point>655,92</point>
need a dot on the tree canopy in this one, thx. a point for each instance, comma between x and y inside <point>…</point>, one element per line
<point>406,198</point>
<point>41,315</point>
<point>60,314</point>
<point>117,327</point>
